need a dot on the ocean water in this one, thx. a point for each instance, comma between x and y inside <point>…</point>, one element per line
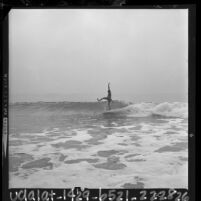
<point>68,144</point>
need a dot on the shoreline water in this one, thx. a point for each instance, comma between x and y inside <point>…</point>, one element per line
<point>91,150</point>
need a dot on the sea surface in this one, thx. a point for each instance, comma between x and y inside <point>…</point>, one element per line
<point>71,144</point>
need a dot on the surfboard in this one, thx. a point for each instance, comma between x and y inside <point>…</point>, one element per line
<point>109,112</point>
<point>113,111</point>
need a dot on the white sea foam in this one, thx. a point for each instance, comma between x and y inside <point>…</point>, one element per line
<point>153,149</point>
<point>165,109</point>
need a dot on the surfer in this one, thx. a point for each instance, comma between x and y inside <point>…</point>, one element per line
<point>108,98</point>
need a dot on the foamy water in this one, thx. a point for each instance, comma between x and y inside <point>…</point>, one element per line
<point>138,146</point>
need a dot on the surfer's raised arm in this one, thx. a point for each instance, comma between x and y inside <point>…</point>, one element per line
<point>108,86</point>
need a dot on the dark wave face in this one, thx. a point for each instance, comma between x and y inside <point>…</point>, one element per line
<point>65,107</point>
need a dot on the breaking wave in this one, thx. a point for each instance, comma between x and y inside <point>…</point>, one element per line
<point>165,109</point>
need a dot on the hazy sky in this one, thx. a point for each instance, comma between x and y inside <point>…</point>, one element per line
<point>71,54</point>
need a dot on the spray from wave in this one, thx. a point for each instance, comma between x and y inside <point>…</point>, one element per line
<point>165,109</point>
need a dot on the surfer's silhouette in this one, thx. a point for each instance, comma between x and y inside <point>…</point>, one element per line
<point>108,98</point>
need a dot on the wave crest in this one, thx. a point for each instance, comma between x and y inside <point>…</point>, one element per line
<point>165,109</point>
